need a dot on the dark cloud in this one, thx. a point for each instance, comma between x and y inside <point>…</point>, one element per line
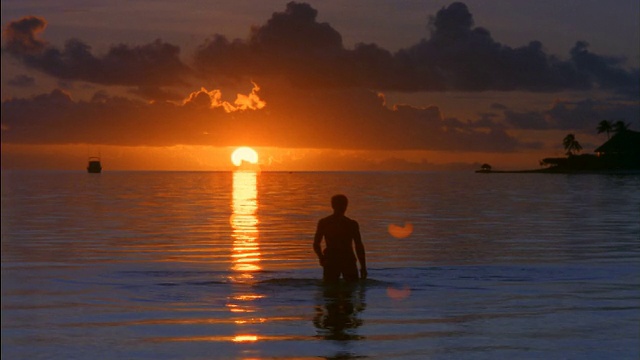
<point>355,119</point>
<point>293,44</point>
<point>22,81</point>
<point>56,118</point>
<point>21,36</point>
<point>154,64</point>
<point>606,71</point>
<point>581,115</point>
<point>487,119</point>
<point>530,120</point>
<point>296,31</point>
<point>457,56</point>
<point>156,93</point>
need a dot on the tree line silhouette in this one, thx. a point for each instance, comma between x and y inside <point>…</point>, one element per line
<point>571,145</point>
<point>620,153</point>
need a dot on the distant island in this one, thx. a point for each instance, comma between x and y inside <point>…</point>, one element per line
<point>619,154</point>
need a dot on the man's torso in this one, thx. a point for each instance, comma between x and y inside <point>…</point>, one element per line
<point>339,232</point>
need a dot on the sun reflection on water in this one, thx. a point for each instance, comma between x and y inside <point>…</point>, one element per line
<point>245,255</point>
<point>245,338</point>
<point>244,222</point>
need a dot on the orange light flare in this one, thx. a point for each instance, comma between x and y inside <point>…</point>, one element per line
<point>399,294</point>
<point>400,232</point>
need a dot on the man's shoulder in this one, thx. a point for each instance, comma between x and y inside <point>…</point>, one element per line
<point>325,219</point>
<point>351,220</point>
<point>339,220</point>
<point>334,218</point>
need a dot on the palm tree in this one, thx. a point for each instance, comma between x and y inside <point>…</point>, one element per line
<point>620,126</point>
<point>571,144</point>
<point>605,126</point>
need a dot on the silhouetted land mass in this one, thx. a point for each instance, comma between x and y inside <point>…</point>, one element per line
<point>620,154</point>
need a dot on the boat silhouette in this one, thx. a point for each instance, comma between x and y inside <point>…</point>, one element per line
<point>94,166</point>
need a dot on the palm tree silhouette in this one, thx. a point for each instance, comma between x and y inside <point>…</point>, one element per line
<point>605,126</point>
<point>620,126</point>
<point>571,144</point>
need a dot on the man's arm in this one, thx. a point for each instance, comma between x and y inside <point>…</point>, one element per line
<point>317,240</point>
<point>360,252</point>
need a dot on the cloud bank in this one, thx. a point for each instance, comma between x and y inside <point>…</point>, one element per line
<point>456,57</point>
<point>314,92</point>
<point>340,119</point>
<point>154,64</point>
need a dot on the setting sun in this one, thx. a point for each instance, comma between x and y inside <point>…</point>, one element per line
<point>245,154</point>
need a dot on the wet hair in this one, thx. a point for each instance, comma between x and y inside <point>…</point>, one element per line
<point>339,203</point>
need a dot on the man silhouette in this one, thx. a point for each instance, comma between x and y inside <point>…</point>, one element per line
<point>340,233</point>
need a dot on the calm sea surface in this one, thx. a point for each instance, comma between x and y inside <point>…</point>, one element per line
<point>180,265</point>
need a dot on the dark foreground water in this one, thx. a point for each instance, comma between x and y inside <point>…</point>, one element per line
<point>164,265</point>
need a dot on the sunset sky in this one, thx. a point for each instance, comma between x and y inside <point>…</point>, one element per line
<point>316,85</point>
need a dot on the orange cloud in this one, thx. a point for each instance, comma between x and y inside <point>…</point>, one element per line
<point>251,101</point>
<point>212,99</point>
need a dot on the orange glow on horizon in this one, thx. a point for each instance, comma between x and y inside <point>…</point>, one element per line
<point>216,158</point>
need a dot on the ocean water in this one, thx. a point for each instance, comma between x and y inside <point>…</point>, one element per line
<point>197,265</point>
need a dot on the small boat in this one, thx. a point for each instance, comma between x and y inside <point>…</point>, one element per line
<point>94,166</point>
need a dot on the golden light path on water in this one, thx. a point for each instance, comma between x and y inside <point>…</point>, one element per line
<point>246,249</point>
<point>244,222</point>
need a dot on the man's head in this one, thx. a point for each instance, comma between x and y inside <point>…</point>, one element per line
<point>339,203</point>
